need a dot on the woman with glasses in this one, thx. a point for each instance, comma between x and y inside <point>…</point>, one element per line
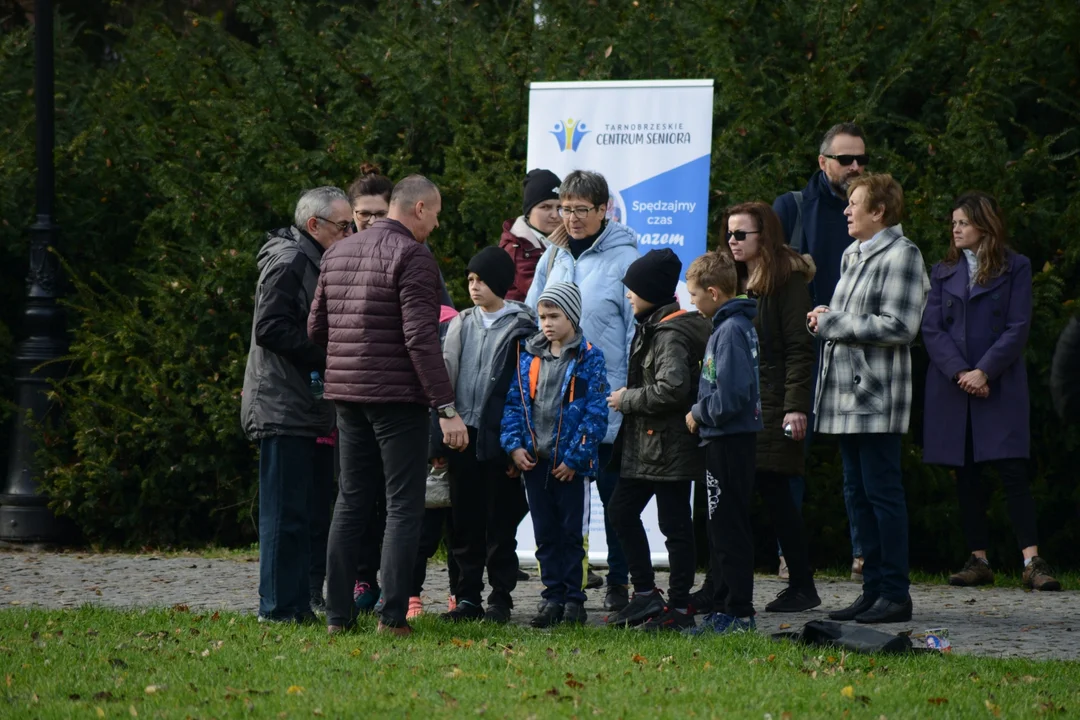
<point>594,255</point>
<point>864,386</point>
<point>774,274</point>
<point>976,330</point>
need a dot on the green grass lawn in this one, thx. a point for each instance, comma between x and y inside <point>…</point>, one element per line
<point>93,662</point>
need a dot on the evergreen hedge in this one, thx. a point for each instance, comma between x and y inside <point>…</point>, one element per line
<point>182,138</point>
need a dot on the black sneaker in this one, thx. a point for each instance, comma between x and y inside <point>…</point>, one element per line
<point>593,581</point>
<point>549,613</point>
<point>671,619</point>
<point>641,609</point>
<point>464,612</point>
<point>701,602</point>
<point>616,598</point>
<point>574,613</point>
<point>793,599</point>
<point>497,613</point>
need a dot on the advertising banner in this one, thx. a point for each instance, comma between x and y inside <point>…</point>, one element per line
<point>651,140</point>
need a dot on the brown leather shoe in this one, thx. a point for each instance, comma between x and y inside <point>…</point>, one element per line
<point>396,630</point>
<point>976,572</point>
<point>856,569</point>
<point>1037,575</point>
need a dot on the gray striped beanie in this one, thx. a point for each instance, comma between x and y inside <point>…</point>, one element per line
<point>567,297</point>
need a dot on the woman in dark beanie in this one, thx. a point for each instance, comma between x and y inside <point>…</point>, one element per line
<point>527,237</point>
<point>976,329</point>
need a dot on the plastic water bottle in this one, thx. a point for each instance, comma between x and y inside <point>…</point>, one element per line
<point>316,385</point>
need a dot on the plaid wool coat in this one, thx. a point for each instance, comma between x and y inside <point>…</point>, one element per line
<point>865,383</point>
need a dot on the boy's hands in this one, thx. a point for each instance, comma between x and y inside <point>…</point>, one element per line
<point>614,398</point>
<point>691,423</point>
<point>563,473</point>
<point>522,460</point>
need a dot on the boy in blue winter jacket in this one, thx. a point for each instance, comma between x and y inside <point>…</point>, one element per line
<point>727,416</point>
<point>555,417</point>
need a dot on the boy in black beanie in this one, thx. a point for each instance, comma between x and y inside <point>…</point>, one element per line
<point>486,505</point>
<point>657,455</point>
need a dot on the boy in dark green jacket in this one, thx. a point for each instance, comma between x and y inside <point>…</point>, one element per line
<point>657,455</point>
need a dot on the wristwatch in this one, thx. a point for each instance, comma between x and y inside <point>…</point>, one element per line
<point>447,411</point>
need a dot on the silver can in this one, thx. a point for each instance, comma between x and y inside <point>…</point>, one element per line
<point>788,431</point>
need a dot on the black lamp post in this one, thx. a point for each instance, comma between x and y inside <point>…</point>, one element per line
<point>24,515</point>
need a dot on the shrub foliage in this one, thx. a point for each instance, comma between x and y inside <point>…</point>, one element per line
<point>182,138</point>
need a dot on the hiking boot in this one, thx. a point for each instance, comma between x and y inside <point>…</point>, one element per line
<point>793,599</point>
<point>464,612</point>
<point>856,569</point>
<point>574,613</point>
<point>416,608</point>
<point>671,619</point>
<point>593,581</point>
<point>548,613</point>
<point>976,572</point>
<point>783,573</point>
<point>1037,575</point>
<point>396,630</point>
<point>497,613</point>
<point>721,624</point>
<point>617,597</point>
<point>640,609</point>
<point>701,602</point>
<point>365,597</point>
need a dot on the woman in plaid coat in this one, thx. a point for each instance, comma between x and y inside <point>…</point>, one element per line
<point>864,389</point>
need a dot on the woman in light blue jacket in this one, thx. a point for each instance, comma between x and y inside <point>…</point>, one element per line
<point>595,257</point>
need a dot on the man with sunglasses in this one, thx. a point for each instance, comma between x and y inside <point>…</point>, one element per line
<point>814,223</point>
<point>278,408</point>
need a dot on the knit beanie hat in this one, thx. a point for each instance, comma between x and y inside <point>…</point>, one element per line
<point>495,267</point>
<point>540,185</point>
<point>654,276</point>
<point>567,297</point>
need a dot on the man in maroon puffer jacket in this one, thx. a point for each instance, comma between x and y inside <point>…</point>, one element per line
<point>376,311</point>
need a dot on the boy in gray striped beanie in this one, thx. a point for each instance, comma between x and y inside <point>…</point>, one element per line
<point>567,297</point>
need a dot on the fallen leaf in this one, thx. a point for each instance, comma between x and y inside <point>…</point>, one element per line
<point>151,689</point>
<point>553,692</point>
<point>100,711</point>
<point>317,711</point>
<point>992,708</point>
<point>848,692</point>
<point>938,701</point>
<point>295,690</point>
<point>551,653</point>
<point>785,626</point>
<point>133,711</point>
<point>638,658</point>
<point>574,684</point>
<point>180,607</point>
<point>607,53</point>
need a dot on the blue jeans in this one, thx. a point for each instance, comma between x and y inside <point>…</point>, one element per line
<point>287,497</point>
<point>874,491</point>
<point>560,512</point>
<point>618,570</point>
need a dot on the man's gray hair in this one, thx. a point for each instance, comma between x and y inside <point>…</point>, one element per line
<point>839,129</point>
<point>411,190</point>
<point>585,184</point>
<point>317,203</point>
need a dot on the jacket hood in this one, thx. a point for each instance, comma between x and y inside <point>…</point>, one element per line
<point>521,230</point>
<point>803,264</point>
<point>288,240</point>
<point>736,306</point>
<point>538,345</point>
<point>521,312</point>
<point>614,235</point>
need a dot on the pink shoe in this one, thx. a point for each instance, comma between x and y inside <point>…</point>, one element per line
<point>451,603</point>
<point>416,608</point>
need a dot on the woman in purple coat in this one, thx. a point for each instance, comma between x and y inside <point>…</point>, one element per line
<point>975,329</point>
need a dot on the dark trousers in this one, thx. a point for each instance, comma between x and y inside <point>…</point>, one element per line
<point>370,550</point>
<point>288,475</point>
<point>874,490</point>
<point>787,522</point>
<point>560,516</point>
<point>676,523</point>
<point>606,480</point>
<point>729,479</point>
<point>322,504</point>
<point>974,496</point>
<point>432,533</point>
<point>486,506</point>
<point>381,451</point>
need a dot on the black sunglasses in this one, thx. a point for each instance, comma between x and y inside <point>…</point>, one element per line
<point>846,160</point>
<point>740,235</point>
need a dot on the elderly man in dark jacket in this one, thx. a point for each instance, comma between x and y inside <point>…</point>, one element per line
<point>376,311</point>
<point>278,408</point>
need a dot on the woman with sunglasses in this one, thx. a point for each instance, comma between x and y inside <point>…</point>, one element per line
<point>774,274</point>
<point>976,329</point>
<point>864,386</point>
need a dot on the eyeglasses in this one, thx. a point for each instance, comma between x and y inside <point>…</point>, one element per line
<point>342,226</point>
<point>846,160</point>
<point>740,235</point>
<point>579,212</point>
<point>364,215</point>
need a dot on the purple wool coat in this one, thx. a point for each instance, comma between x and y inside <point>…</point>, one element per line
<point>984,327</point>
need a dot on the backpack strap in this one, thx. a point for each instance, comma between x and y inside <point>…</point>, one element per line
<point>674,315</point>
<point>798,239</point>
<point>534,377</point>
